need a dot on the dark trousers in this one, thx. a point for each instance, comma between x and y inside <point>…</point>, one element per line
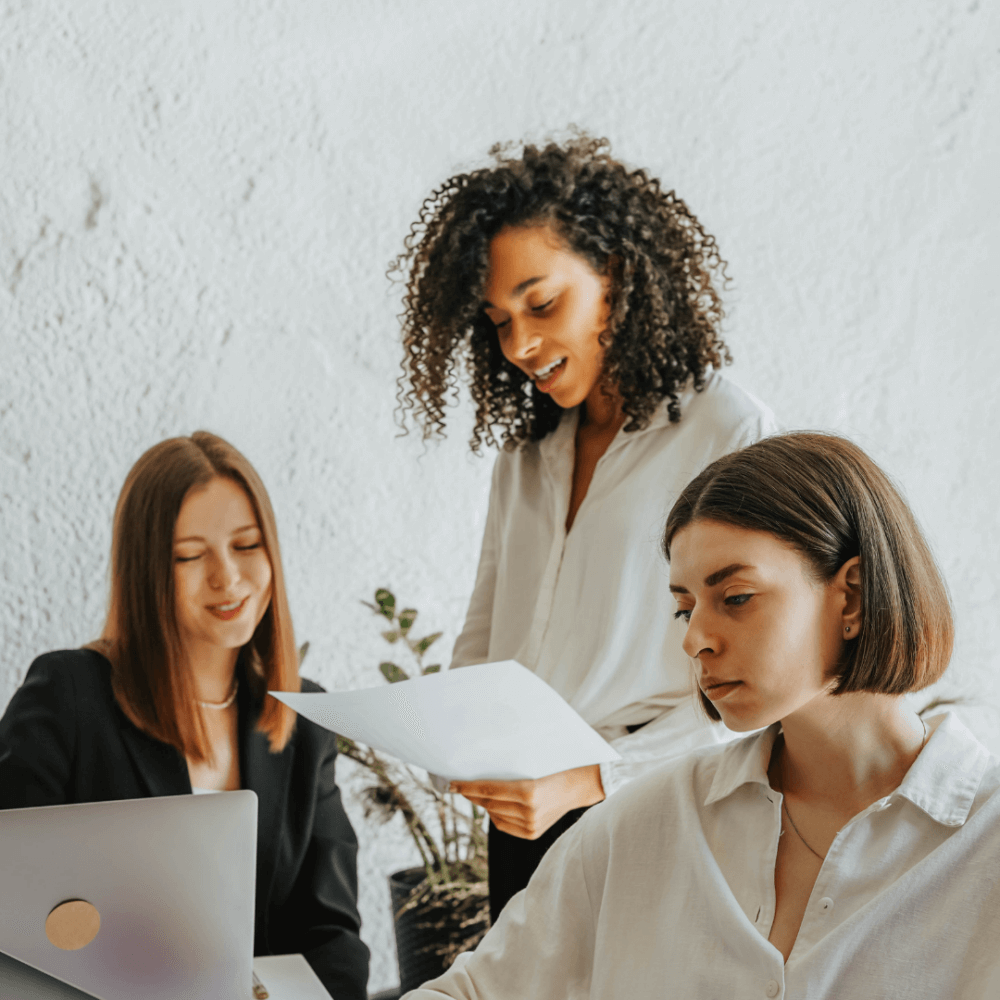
<point>513,860</point>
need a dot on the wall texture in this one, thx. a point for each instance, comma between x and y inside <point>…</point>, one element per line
<point>198,202</point>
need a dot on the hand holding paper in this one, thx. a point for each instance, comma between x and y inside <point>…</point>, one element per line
<point>489,721</point>
<point>527,809</point>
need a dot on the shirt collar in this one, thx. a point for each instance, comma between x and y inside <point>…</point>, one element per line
<point>557,447</point>
<point>659,418</point>
<point>945,777</point>
<point>942,782</point>
<point>561,440</point>
<point>743,762</point>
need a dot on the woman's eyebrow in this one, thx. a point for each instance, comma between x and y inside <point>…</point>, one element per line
<point>721,574</point>
<point>200,538</point>
<point>713,578</point>
<point>519,290</point>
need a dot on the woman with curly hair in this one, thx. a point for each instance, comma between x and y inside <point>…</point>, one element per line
<point>582,300</point>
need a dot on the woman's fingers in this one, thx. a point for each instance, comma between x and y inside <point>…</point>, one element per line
<point>526,824</point>
<point>514,806</point>
<point>509,811</point>
<point>517,830</point>
<point>513,791</point>
<point>480,800</point>
<point>528,808</point>
<point>503,807</point>
<point>518,819</point>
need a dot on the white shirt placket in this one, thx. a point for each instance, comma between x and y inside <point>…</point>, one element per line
<point>558,456</point>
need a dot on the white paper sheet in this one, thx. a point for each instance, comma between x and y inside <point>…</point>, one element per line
<point>289,977</point>
<point>491,720</point>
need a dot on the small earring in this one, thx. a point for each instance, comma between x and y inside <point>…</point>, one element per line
<point>848,629</point>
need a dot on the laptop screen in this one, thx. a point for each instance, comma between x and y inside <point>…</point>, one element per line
<point>171,879</point>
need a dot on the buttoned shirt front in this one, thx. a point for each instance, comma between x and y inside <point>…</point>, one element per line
<point>589,610</point>
<point>667,890</point>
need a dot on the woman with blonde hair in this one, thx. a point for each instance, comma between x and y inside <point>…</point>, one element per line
<point>173,698</point>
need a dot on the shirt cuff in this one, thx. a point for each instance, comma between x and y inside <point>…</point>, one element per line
<point>675,733</point>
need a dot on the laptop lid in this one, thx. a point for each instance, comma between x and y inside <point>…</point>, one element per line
<point>171,880</point>
<point>21,982</point>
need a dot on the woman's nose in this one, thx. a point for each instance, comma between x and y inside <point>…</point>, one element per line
<point>522,340</point>
<point>697,639</point>
<point>225,572</point>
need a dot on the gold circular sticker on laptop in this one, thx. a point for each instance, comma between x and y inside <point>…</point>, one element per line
<point>73,924</point>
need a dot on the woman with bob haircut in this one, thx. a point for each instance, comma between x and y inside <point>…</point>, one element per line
<point>582,300</point>
<point>172,698</point>
<point>849,848</point>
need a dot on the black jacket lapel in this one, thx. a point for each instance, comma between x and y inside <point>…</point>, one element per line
<point>267,774</point>
<point>161,766</point>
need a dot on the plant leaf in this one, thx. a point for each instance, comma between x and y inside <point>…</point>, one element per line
<point>303,649</point>
<point>428,640</point>
<point>406,619</point>
<point>391,636</point>
<point>392,673</point>
<point>432,669</point>
<point>386,602</point>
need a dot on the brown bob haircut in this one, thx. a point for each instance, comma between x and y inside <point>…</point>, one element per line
<point>827,498</point>
<point>150,680</point>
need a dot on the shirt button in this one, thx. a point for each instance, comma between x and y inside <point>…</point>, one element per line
<point>826,904</point>
<point>772,988</point>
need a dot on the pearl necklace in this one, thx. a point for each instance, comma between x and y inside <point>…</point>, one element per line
<point>220,705</point>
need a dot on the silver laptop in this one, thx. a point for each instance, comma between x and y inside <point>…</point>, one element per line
<point>171,880</point>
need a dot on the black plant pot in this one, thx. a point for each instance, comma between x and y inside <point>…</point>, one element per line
<point>423,931</point>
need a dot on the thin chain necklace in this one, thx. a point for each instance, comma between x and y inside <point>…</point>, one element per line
<point>784,798</point>
<point>220,705</point>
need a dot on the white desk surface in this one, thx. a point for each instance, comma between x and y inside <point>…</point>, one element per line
<point>289,977</point>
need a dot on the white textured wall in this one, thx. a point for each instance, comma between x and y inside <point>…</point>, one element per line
<point>198,201</point>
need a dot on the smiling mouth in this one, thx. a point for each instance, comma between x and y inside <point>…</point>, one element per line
<point>227,611</point>
<point>544,377</point>
<point>544,373</point>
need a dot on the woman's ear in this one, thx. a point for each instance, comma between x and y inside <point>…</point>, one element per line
<point>848,583</point>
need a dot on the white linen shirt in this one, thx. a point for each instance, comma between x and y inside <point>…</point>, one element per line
<point>590,612</point>
<point>667,890</point>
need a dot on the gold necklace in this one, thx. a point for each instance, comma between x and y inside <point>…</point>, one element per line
<point>220,705</point>
<point>784,799</point>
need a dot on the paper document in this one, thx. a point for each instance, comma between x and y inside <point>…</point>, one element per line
<point>288,977</point>
<point>492,720</point>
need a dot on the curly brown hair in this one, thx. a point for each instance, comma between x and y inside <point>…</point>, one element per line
<point>664,315</point>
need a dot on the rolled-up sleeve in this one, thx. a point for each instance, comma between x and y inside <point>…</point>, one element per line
<point>674,733</point>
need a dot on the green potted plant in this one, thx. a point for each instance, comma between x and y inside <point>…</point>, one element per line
<point>441,907</point>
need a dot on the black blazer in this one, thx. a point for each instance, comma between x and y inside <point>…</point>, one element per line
<point>63,738</point>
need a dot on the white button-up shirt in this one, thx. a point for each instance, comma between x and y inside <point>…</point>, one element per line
<point>590,611</point>
<point>667,890</point>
